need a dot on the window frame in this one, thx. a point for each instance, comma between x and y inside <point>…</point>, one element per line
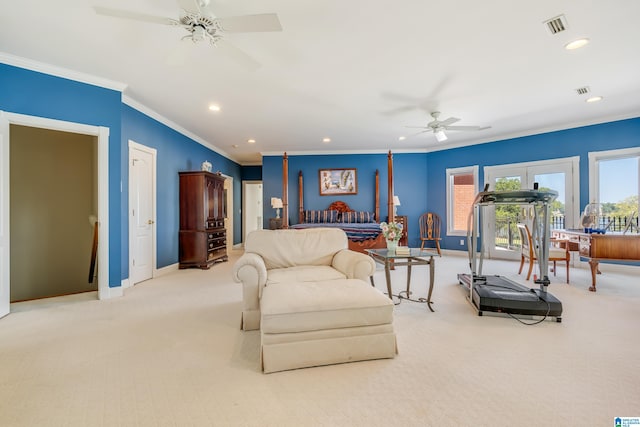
<point>450,174</point>
<point>594,171</point>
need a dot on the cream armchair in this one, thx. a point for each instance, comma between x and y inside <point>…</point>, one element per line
<point>281,256</point>
<point>312,300</point>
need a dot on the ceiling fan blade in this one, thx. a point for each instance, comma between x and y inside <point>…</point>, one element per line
<point>449,121</point>
<point>426,128</point>
<point>237,55</point>
<point>118,13</point>
<point>190,6</point>
<point>418,133</point>
<point>251,23</point>
<point>467,127</point>
<point>400,110</point>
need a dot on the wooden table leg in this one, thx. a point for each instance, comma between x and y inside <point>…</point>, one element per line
<point>594,270</point>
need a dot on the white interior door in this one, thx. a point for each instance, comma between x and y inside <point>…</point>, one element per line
<point>4,220</point>
<point>251,207</point>
<point>499,222</point>
<point>142,216</point>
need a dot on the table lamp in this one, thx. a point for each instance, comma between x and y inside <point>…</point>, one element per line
<point>396,202</point>
<point>276,203</point>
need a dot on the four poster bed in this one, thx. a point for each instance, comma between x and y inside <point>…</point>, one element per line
<point>362,227</point>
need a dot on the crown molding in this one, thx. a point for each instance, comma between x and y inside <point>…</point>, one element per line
<point>66,73</point>
<point>165,121</point>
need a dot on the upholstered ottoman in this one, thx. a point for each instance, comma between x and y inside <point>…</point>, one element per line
<point>324,322</point>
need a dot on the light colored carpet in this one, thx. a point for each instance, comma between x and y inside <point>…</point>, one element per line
<point>170,353</point>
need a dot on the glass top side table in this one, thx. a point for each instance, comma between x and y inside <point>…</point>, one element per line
<point>416,256</point>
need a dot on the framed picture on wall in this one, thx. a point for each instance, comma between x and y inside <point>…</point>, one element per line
<point>337,181</point>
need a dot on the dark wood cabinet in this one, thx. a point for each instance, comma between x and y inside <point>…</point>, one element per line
<point>202,238</point>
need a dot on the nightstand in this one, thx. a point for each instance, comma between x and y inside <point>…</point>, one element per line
<point>275,223</point>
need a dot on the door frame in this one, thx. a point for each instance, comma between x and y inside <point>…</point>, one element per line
<point>245,202</point>
<point>154,265</point>
<point>572,182</point>
<point>228,219</point>
<point>102,134</point>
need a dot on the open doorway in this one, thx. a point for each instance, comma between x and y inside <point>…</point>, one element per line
<point>53,209</point>
<point>251,207</point>
<point>102,182</point>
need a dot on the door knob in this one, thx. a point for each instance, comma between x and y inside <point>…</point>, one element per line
<point>150,222</point>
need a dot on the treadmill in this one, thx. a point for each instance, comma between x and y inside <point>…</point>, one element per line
<point>493,293</point>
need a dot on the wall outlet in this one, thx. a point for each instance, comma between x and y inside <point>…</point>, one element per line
<point>461,242</point>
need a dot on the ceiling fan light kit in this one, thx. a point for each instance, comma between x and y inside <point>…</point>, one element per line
<point>440,135</point>
<point>438,127</point>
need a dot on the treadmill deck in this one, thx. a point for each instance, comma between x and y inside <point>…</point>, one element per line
<point>502,295</point>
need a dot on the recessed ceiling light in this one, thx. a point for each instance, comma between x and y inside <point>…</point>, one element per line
<point>402,138</point>
<point>594,99</point>
<point>235,145</point>
<point>326,140</point>
<point>214,107</point>
<point>576,44</point>
<point>251,141</point>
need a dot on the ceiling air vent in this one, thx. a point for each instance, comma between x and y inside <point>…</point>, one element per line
<point>583,90</point>
<point>556,25</point>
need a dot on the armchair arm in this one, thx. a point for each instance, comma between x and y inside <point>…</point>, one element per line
<point>354,265</point>
<point>252,272</point>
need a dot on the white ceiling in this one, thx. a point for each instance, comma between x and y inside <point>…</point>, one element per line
<point>356,71</point>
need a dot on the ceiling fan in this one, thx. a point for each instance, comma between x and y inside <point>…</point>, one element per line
<point>203,25</point>
<point>439,127</point>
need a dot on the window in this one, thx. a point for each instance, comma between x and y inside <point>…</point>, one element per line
<point>462,187</point>
<point>614,184</point>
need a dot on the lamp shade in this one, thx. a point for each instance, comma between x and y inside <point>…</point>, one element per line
<point>440,135</point>
<point>276,202</point>
<point>396,201</point>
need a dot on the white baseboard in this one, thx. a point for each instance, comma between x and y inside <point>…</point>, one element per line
<point>109,292</point>
<point>166,270</point>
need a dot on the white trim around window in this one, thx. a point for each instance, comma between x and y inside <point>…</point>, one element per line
<point>594,173</point>
<point>451,174</point>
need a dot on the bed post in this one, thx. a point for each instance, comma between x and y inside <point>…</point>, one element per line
<point>300,199</point>
<point>377,205</point>
<point>285,191</point>
<point>390,216</point>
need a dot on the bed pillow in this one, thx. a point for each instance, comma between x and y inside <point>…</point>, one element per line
<point>358,217</point>
<point>320,217</point>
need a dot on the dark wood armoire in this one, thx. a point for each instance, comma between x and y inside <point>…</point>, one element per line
<point>203,238</point>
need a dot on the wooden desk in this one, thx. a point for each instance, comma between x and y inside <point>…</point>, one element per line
<point>596,247</point>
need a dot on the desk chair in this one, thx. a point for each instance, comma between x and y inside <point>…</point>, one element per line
<point>430,230</point>
<point>528,251</point>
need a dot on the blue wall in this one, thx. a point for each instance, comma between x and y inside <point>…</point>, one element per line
<point>176,153</point>
<point>42,95</point>
<point>410,175</point>
<point>420,179</point>
<point>36,94</point>
<point>251,173</point>
<point>566,143</point>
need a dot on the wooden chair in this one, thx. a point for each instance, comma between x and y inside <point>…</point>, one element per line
<point>430,229</point>
<point>528,251</point>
